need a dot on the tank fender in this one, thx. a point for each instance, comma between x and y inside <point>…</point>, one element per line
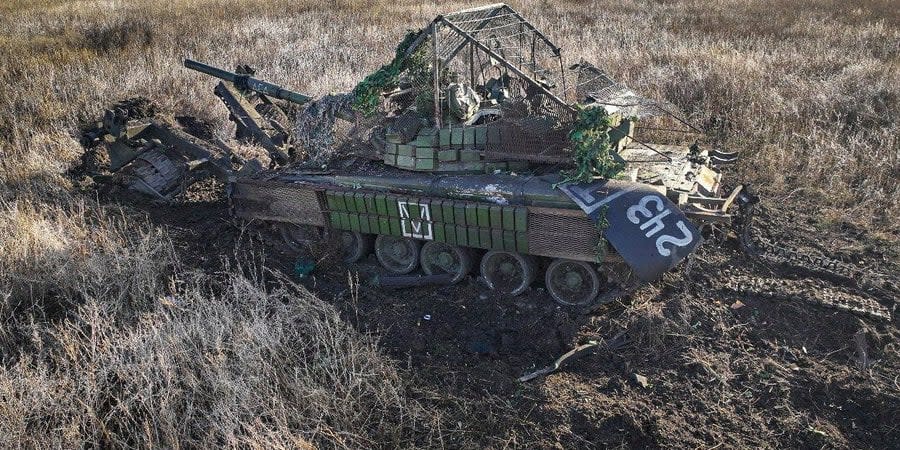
<point>649,231</point>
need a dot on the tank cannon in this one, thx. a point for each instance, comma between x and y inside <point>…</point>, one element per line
<point>245,81</point>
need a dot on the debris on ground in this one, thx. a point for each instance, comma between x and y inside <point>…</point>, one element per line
<point>615,343</point>
<point>641,380</point>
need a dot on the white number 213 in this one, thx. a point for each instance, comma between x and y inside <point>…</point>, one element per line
<point>654,219</point>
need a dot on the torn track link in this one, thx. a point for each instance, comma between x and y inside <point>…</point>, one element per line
<point>771,254</point>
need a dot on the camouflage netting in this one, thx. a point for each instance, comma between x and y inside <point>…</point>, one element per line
<point>315,127</point>
<point>367,94</point>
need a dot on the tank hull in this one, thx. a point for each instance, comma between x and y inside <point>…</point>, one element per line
<point>525,214</point>
<point>488,212</point>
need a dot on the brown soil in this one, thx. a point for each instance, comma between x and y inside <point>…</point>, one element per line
<point>723,365</point>
<point>769,373</point>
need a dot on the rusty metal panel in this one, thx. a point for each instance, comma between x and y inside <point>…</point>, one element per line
<point>562,233</point>
<point>268,201</point>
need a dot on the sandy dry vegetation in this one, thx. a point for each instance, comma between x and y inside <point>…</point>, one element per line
<point>113,334</point>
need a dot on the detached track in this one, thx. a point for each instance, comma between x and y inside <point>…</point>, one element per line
<point>815,292</point>
<point>821,269</point>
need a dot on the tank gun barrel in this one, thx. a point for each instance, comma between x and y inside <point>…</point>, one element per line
<point>243,81</point>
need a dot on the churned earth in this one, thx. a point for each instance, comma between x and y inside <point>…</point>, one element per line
<point>710,354</point>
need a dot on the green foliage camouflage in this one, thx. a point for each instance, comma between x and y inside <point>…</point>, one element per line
<point>593,159</point>
<point>602,245</point>
<point>591,147</point>
<point>367,94</point>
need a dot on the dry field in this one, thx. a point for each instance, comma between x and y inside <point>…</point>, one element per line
<point>111,335</point>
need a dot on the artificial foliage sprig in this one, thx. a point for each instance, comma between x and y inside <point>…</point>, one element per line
<point>591,147</point>
<point>367,94</point>
<point>593,159</point>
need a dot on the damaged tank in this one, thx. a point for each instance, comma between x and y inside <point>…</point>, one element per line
<point>477,149</point>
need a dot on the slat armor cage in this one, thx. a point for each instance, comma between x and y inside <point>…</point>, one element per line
<point>482,89</point>
<point>515,71</point>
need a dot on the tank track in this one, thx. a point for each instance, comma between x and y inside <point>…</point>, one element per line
<point>806,290</point>
<point>772,255</point>
<point>818,289</point>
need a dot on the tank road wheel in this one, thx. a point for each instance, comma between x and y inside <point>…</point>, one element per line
<point>572,283</point>
<point>508,272</point>
<point>398,255</point>
<point>354,246</point>
<point>438,258</point>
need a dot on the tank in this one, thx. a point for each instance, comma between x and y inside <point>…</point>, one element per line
<point>479,149</point>
<point>473,166</point>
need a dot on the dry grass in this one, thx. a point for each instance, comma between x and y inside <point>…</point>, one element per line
<point>106,340</point>
<point>218,364</point>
